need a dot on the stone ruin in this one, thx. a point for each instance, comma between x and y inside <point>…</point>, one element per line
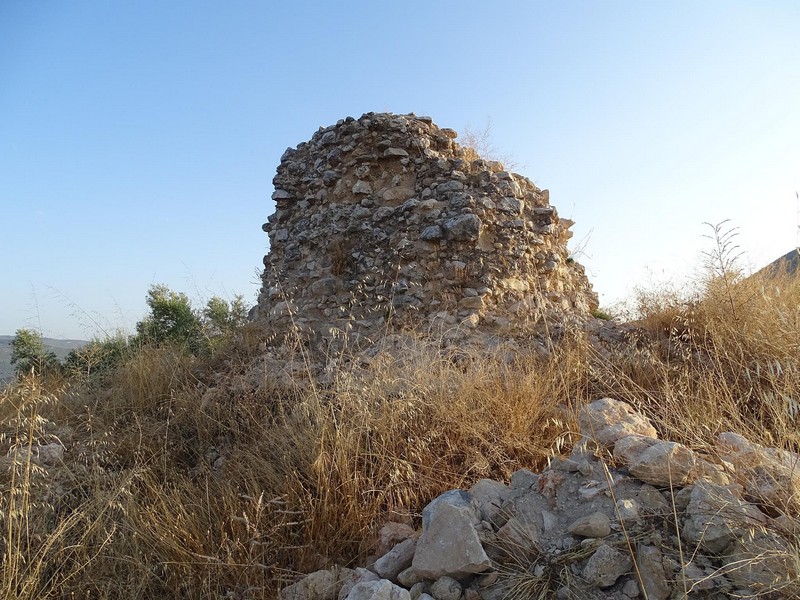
<point>386,223</point>
<point>627,516</point>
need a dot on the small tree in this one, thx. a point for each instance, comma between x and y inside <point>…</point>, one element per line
<point>172,320</point>
<point>28,353</point>
<point>98,356</point>
<point>222,317</point>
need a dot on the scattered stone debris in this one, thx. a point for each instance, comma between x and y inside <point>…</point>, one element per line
<point>687,526</point>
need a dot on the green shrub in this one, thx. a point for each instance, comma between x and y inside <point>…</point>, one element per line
<point>28,353</point>
<point>221,317</point>
<point>601,314</point>
<point>98,356</point>
<point>172,321</point>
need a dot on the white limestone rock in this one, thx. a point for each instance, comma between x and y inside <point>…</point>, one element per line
<point>382,589</point>
<point>396,560</point>
<point>594,525</point>
<point>715,517</point>
<point>606,421</point>
<point>449,544</point>
<point>605,566</point>
<point>319,585</point>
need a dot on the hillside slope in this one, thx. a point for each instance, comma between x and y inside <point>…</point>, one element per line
<point>788,263</point>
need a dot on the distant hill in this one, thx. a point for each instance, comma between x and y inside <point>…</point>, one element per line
<point>60,347</point>
<point>789,263</point>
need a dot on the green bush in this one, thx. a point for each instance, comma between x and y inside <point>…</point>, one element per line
<point>98,356</point>
<point>221,317</point>
<point>172,321</point>
<point>28,353</point>
<point>601,314</point>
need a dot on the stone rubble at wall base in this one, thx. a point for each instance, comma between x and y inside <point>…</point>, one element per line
<point>583,529</point>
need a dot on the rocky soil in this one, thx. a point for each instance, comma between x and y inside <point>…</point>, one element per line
<point>626,516</point>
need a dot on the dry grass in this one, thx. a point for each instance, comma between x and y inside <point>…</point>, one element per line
<point>169,490</point>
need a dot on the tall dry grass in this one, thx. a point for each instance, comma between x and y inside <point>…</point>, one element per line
<point>182,480</point>
<point>726,360</point>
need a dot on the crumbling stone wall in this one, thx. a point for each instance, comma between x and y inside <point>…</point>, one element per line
<point>386,221</point>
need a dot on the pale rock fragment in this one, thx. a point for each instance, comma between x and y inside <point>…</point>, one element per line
<point>446,588</point>
<point>449,544</point>
<point>396,560</point>
<point>382,589</point>
<point>391,534</point>
<point>607,420</point>
<point>653,577</point>
<point>319,585</point>
<point>605,566</point>
<point>715,517</point>
<point>594,525</point>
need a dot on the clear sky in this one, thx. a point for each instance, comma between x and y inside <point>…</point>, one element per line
<point>138,140</point>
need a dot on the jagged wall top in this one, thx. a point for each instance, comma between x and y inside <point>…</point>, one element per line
<point>386,221</point>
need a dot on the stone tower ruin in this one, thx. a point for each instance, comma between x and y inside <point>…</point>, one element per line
<point>385,222</point>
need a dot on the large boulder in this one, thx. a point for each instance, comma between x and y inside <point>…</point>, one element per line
<point>449,544</point>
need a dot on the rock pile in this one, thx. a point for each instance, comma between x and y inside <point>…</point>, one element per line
<point>626,516</point>
<point>385,222</point>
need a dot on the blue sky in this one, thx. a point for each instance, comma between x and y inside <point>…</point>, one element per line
<point>138,140</point>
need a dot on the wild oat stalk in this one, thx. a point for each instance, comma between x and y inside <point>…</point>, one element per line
<point>721,261</point>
